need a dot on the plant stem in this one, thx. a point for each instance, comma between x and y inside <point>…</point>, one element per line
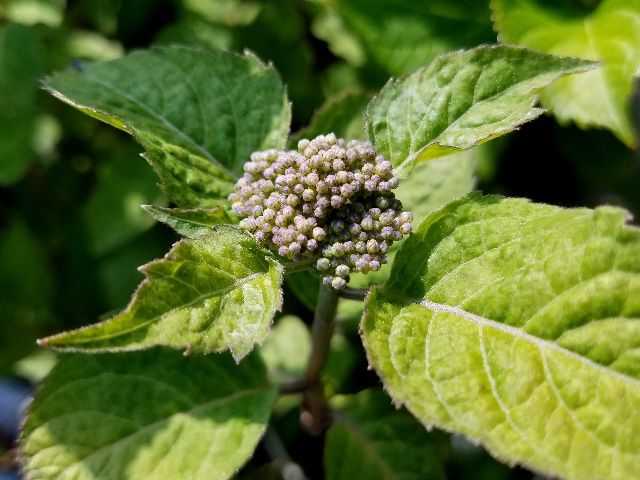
<point>316,417</point>
<point>353,293</point>
<point>321,332</point>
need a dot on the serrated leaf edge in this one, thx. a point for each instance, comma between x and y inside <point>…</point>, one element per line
<point>407,165</point>
<point>50,341</point>
<point>125,126</point>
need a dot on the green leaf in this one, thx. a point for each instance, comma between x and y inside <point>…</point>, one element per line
<point>436,183</point>
<point>190,223</point>
<point>610,33</point>
<point>342,114</point>
<point>372,440</point>
<point>151,415</point>
<point>18,89</point>
<point>187,179</point>
<point>401,35</point>
<point>460,100</point>
<point>185,98</point>
<point>518,325</point>
<point>209,294</point>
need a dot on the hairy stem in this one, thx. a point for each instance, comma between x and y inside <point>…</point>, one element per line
<point>316,416</point>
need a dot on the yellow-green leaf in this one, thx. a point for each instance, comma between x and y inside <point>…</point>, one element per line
<point>518,325</point>
<point>610,33</point>
<point>213,293</point>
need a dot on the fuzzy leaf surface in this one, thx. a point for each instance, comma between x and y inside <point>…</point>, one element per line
<point>518,325</point>
<point>460,100</point>
<point>370,439</point>
<point>191,99</point>
<point>187,179</point>
<point>610,34</point>
<point>154,415</point>
<point>210,294</point>
<point>190,223</point>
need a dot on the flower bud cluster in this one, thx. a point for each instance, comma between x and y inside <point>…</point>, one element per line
<point>329,201</point>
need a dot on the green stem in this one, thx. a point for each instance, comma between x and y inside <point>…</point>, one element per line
<point>316,417</point>
<point>321,333</point>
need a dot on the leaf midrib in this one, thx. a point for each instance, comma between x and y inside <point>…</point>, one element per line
<point>539,342</point>
<point>169,124</point>
<point>435,140</point>
<point>119,333</point>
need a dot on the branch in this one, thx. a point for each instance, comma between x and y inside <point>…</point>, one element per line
<point>353,293</point>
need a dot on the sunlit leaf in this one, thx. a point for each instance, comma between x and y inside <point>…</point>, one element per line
<point>460,100</point>
<point>518,325</point>
<point>209,294</point>
<point>610,33</point>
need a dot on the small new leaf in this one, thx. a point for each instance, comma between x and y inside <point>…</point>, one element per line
<point>190,223</point>
<point>460,100</point>
<point>518,325</point>
<point>150,415</point>
<point>209,294</point>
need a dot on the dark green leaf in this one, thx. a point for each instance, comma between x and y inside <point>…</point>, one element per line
<point>187,179</point>
<point>186,98</point>
<point>401,35</point>
<point>371,440</point>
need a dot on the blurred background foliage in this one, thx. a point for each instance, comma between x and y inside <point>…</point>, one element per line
<point>71,229</point>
